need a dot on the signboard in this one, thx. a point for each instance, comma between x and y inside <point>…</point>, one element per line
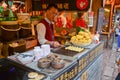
<point>70,5</point>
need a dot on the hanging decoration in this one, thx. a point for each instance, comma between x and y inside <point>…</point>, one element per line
<point>82,4</point>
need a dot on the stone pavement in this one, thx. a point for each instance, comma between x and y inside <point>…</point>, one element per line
<point>110,69</point>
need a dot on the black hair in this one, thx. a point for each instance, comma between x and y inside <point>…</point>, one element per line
<point>51,5</point>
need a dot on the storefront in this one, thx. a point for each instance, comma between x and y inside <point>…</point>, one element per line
<point>80,57</point>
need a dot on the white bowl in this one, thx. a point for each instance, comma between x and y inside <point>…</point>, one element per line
<point>25,58</point>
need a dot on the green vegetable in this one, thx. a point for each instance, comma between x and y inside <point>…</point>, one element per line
<point>78,29</point>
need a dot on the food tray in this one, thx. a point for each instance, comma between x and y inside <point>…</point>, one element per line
<point>63,51</point>
<point>15,71</point>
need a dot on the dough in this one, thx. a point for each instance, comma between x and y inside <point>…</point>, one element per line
<point>32,75</point>
<point>39,77</point>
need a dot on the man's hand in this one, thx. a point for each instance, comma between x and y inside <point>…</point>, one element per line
<point>56,44</point>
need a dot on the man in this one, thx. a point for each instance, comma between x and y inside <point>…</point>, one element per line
<point>45,33</point>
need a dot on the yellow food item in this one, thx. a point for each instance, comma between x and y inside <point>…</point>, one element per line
<point>32,74</point>
<point>83,37</point>
<point>35,76</point>
<point>73,48</point>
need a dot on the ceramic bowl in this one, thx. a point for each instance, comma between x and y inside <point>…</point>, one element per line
<point>44,63</point>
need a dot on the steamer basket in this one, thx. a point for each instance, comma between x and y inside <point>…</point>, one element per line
<point>24,21</point>
<point>25,31</point>
<point>1,46</point>
<point>9,30</point>
<point>23,18</point>
<point>9,22</point>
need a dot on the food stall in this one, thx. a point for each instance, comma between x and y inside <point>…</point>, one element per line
<point>83,65</point>
<point>80,58</point>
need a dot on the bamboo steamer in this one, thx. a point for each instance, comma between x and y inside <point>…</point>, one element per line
<point>25,24</point>
<point>23,18</point>
<point>9,22</point>
<point>1,46</point>
<point>9,30</point>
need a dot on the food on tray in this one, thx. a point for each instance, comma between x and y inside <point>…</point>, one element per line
<point>58,63</point>
<point>35,76</point>
<point>52,56</point>
<point>44,63</point>
<point>52,60</point>
<point>39,77</point>
<point>73,48</point>
<point>83,38</point>
<point>32,75</point>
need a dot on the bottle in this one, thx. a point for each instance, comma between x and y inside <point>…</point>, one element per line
<point>96,38</point>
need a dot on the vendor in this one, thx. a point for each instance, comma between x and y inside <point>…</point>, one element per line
<point>45,32</point>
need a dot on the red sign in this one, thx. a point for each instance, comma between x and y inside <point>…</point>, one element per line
<point>82,4</point>
<point>70,5</point>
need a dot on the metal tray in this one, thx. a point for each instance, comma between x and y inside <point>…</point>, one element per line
<point>14,71</point>
<point>63,51</point>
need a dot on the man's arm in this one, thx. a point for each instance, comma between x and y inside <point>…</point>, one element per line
<point>41,31</point>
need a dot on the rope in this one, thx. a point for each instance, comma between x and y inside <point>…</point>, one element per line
<point>10,29</point>
<point>25,27</point>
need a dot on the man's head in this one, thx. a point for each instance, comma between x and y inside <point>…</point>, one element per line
<point>51,11</point>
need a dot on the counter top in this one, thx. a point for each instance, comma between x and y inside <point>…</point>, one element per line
<point>69,61</point>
